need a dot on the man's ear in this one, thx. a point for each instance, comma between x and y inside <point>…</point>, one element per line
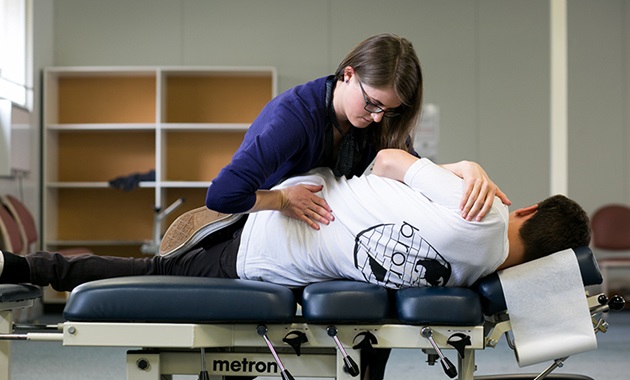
<point>526,211</point>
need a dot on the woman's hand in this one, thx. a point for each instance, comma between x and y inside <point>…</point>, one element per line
<point>300,202</point>
<point>479,190</point>
<point>297,202</point>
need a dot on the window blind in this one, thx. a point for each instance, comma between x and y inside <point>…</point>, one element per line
<point>13,51</point>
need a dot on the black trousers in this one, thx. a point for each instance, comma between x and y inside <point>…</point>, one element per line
<point>215,256</point>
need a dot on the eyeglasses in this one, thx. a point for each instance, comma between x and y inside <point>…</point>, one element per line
<point>373,108</point>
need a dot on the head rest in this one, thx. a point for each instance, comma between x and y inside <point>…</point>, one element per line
<point>491,292</point>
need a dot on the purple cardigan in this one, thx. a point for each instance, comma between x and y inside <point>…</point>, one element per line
<point>287,138</point>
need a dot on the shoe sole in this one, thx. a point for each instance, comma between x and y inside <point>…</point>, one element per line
<point>191,227</point>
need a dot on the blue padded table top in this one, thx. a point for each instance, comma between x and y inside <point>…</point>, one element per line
<point>345,301</point>
<point>439,306</point>
<point>174,299</point>
<point>16,293</point>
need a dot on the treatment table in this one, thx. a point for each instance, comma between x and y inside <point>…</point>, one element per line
<point>225,327</point>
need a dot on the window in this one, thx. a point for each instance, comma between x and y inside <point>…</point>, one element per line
<point>14,41</point>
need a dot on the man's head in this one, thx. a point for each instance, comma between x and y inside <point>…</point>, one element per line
<point>558,223</point>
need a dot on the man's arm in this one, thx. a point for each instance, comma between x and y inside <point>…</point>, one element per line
<point>393,163</point>
<point>479,190</point>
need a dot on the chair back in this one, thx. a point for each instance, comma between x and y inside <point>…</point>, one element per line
<point>10,238</point>
<point>611,227</point>
<point>27,228</point>
<point>25,220</point>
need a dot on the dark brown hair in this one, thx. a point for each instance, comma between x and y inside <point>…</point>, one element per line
<point>383,61</point>
<point>560,223</point>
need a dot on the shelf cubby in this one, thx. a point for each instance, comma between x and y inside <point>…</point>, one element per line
<point>102,123</point>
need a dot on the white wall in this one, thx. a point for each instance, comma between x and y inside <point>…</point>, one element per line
<point>480,58</point>
<point>28,187</point>
<point>486,65</point>
<point>599,101</point>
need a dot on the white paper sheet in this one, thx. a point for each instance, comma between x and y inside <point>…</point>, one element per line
<point>548,309</point>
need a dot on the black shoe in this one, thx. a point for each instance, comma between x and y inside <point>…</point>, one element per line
<point>15,269</point>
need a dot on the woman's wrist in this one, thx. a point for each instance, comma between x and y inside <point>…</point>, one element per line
<point>269,200</point>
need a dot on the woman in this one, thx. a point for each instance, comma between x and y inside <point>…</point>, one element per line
<point>372,102</point>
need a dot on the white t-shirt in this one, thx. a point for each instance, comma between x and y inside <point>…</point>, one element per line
<point>385,232</point>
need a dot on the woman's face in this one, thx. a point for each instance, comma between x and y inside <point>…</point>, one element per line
<point>361,99</point>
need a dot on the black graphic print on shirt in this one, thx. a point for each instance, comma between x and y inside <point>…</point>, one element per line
<point>397,256</point>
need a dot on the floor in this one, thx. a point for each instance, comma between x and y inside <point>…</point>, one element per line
<point>611,361</point>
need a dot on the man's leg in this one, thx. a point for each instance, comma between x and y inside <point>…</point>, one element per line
<point>64,273</point>
<point>216,258</point>
<point>373,363</point>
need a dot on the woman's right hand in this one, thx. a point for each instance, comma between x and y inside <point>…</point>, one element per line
<point>300,202</point>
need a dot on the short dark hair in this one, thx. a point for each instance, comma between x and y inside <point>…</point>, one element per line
<point>560,223</point>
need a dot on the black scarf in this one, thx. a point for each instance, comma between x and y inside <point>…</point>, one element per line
<point>349,152</point>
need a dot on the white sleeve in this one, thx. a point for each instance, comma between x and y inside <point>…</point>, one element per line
<point>434,182</point>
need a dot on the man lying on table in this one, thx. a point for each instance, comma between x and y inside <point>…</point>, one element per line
<point>400,226</point>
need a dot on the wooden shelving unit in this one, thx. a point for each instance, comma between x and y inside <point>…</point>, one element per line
<point>101,123</point>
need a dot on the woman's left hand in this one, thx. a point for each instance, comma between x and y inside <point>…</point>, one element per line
<point>479,190</point>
